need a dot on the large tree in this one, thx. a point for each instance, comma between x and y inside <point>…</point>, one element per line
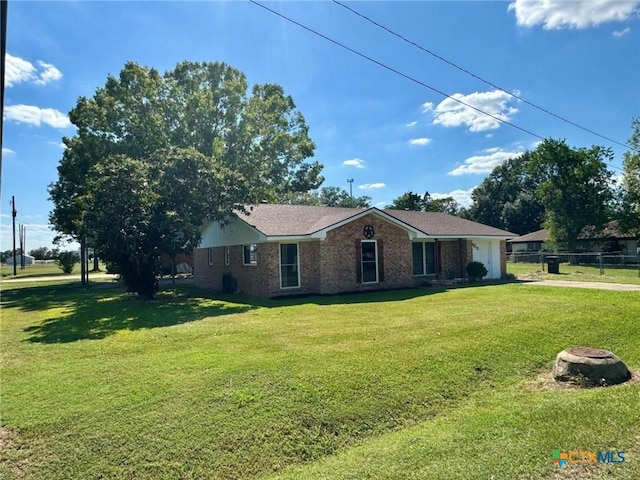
<point>425,203</point>
<point>200,117</point>
<point>506,198</point>
<point>575,188</point>
<point>630,198</point>
<point>327,197</point>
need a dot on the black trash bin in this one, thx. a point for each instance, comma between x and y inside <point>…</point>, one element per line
<point>553,265</point>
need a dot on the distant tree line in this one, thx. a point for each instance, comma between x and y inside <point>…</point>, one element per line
<point>555,186</point>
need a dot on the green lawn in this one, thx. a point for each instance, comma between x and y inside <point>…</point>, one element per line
<point>582,273</point>
<point>431,383</point>
<point>41,270</point>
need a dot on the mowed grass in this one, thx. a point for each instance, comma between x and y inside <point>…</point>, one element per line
<point>42,270</point>
<point>581,273</point>
<point>430,383</point>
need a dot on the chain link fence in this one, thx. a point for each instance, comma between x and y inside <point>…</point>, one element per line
<point>605,263</point>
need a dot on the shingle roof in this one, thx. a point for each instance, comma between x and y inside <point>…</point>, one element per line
<point>443,224</point>
<point>538,236</point>
<point>294,220</point>
<point>277,220</point>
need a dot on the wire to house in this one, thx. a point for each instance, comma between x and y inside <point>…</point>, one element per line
<point>478,77</point>
<point>397,72</point>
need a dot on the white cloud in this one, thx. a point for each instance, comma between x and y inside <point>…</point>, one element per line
<point>354,162</point>
<point>621,33</point>
<point>427,107</point>
<point>463,197</point>
<point>36,116</point>
<point>420,141</point>
<point>556,14</point>
<point>451,113</point>
<point>7,151</point>
<point>19,70</point>
<point>371,186</point>
<point>484,163</point>
<point>411,124</point>
<point>49,73</point>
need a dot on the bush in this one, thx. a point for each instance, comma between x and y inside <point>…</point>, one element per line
<point>67,260</point>
<point>476,270</point>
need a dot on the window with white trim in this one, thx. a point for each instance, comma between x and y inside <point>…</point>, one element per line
<point>249,254</point>
<point>289,265</point>
<point>369,261</point>
<point>210,255</point>
<point>226,256</point>
<point>424,258</point>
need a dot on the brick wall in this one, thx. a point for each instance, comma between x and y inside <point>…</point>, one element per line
<point>339,265</point>
<point>455,255</point>
<point>330,265</point>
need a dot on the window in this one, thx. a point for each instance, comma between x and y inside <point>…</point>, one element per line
<point>210,256</point>
<point>289,266</point>
<point>369,262</point>
<point>249,256</point>
<point>226,256</point>
<point>424,258</point>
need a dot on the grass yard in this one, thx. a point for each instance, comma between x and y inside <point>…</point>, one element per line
<point>580,273</point>
<point>42,270</point>
<point>432,383</point>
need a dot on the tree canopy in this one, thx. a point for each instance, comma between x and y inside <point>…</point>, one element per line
<point>575,188</point>
<point>425,203</point>
<point>327,197</point>
<point>156,154</point>
<point>630,205</point>
<point>506,198</point>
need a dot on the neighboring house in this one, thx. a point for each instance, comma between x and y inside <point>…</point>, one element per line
<point>292,249</point>
<point>609,240</point>
<point>28,259</point>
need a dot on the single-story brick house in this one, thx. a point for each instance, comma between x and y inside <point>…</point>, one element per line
<point>293,249</point>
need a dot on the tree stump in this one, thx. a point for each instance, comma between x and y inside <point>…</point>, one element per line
<point>590,366</point>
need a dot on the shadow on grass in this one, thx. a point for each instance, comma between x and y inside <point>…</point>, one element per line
<point>97,313</point>
<point>92,314</point>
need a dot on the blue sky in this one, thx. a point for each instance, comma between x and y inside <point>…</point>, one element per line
<point>579,60</point>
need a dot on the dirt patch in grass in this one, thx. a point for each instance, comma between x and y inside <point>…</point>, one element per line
<point>7,437</point>
<point>545,382</point>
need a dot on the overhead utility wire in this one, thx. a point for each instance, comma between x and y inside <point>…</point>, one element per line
<point>411,42</point>
<point>397,72</point>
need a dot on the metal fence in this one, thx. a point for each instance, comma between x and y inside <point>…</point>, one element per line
<point>601,261</point>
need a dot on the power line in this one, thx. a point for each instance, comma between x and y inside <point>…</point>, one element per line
<point>397,72</point>
<point>439,57</point>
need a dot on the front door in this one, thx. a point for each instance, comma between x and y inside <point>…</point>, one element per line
<point>488,253</point>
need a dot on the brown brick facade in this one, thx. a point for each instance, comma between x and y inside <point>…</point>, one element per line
<point>455,255</point>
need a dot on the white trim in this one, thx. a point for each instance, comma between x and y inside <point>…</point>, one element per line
<point>377,280</point>
<point>297,264</point>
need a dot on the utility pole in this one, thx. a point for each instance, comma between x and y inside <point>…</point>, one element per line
<point>3,51</point>
<point>13,217</point>
<point>21,236</point>
<point>350,180</point>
